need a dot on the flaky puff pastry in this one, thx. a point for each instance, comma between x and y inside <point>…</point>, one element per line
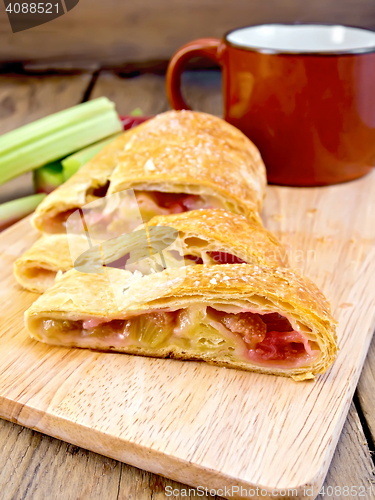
<point>183,152</point>
<point>217,236</point>
<point>209,236</point>
<point>195,153</point>
<point>36,269</point>
<point>100,312</point>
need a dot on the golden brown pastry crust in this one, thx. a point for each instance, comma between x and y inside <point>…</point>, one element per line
<point>222,231</point>
<point>196,153</point>
<point>178,152</point>
<point>226,232</point>
<point>36,269</point>
<point>81,296</point>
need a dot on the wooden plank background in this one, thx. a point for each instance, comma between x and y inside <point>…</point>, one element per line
<point>114,32</point>
<point>35,466</point>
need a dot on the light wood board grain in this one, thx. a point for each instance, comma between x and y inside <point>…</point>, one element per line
<point>38,466</point>
<point>196,423</point>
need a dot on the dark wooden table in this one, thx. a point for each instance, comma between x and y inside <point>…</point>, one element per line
<point>35,466</point>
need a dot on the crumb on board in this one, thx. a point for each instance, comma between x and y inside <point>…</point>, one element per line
<point>325,239</point>
<point>277,216</point>
<point>311,211</point>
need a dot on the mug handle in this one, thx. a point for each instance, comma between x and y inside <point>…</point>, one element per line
<point>203,47</point>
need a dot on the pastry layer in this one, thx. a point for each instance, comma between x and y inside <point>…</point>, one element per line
<point>36,269</point>
<point>205,236</point>
<point>218,237</point>
<point>275,320</point>
<point>184,160</point>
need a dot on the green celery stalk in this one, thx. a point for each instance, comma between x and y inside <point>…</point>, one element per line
<point>48,178</point>
<point>32,131</point>
<point>136,112</point>
<point>74,162</point>
<point>12,211</point>
<point>56,136</point>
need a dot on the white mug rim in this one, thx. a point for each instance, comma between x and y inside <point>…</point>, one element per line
<point>301,52</point>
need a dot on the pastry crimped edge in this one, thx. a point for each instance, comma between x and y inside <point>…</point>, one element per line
<point>106,167</point>
<point>79,296</point>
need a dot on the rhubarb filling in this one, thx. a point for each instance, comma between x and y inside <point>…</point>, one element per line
<point>225,258</point>
<point>150,204</point>
<point>245,336</point>
<point>212,258</point>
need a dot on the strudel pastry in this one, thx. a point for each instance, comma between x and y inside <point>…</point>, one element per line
<point>176,162</point>
<point>204,236</point>
<point>270,321</point>
<point>36,269</point>
<point>219,237</point>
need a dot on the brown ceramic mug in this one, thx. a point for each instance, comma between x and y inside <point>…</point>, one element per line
<point>304,94</point>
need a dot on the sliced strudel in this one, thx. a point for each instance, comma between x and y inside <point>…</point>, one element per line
<point>202,236</point>
<point>176,162</point>
<point>270,321</point>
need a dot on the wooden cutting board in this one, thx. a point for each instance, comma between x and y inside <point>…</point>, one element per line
<point>195,423</point>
